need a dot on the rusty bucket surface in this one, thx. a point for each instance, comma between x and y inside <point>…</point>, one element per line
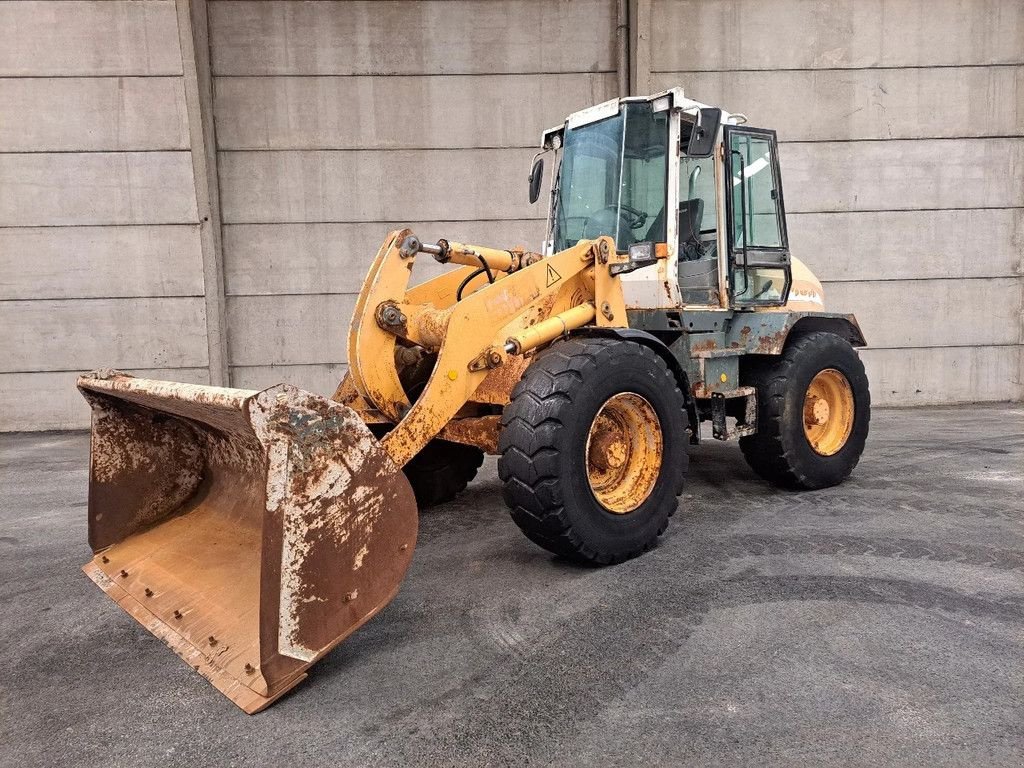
<point>250,531</point>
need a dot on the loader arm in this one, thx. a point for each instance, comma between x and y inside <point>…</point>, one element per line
<point>469,335</point>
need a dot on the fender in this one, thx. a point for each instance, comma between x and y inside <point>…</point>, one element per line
<point>659,347</point>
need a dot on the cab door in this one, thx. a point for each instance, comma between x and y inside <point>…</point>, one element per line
<point>758,244</point>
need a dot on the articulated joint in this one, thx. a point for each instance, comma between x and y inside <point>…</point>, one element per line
<point>550,329</point>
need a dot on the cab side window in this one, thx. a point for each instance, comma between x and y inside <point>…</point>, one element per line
<point>697,213</point>
<point>753,179</point>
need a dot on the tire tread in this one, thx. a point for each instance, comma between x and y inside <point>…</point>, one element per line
<point>529,450</point>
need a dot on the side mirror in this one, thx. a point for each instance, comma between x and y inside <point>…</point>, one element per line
<point>536,177</point>
<point>705,129</point>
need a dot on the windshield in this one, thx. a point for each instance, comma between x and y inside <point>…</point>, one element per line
<point>613,180</point>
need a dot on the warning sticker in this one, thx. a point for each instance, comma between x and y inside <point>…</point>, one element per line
<point>553,277</point>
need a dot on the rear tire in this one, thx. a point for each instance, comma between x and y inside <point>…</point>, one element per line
<point>441,471</point>
<point>782,451</point>
<point>555,451</point>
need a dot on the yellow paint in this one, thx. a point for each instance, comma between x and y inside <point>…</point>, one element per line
<point>371,349</point>
<point>548,330</point>
<point>828,412</point>
<point>470,255</point>
<point>624,449</point>
<point>461,331</point>
<point>608,290</point>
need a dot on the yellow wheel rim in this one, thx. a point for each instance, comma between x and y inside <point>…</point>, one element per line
<point>624,452</point>
<point>828,412</point>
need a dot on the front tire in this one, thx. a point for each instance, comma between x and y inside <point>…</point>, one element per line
<point>593,449</point>
<point>814,408</point>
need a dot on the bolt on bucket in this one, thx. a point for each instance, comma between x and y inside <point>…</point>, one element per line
<point>250,531</point>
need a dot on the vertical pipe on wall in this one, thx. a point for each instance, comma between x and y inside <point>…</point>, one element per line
<point>639,47</point>
<point>195,58</point>
<point>622,46</point>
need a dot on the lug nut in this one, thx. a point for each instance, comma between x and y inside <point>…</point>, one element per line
<point>149,592</point>
<point>177,614</point>
<point>124,574</point>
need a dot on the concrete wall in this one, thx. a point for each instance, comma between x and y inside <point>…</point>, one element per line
<point>339,121</point>
<point>902,156</point>
<point>335,121</point>
<point>100,261</point>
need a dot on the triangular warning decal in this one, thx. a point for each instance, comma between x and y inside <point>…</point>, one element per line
<point>553,277</point>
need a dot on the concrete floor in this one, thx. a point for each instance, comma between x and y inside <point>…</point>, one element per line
<point>879,622</point>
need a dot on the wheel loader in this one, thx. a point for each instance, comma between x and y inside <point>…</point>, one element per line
<point>252,531</point>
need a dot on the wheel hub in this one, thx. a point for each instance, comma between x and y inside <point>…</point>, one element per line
<point>828,412</point>
<point>623,453</point>
<point>816,411</point>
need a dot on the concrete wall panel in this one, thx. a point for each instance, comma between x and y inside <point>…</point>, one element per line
<point>100,262</point>
<point>903,175</point>
<point>410,37</point>
<point>399,112</point>
<point>50,400</point>
<point>943,375</point>
<point>289,329</point>
<point>693,35</point>
<point>89,37</point>
<point>896,245</point>
<point>932,313</point>
<point>99,246</point>
<point>388,185</point>
<point>102,333</point>
<point>93,114</point>
<point>333,258</point>
<point>853,104</point>
<point>68,188</point>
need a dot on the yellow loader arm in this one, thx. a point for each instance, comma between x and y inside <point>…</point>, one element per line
<point>512,302</point>
<point>254,531</point>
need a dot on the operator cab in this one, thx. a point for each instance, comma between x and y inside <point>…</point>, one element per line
<point>621,165</point>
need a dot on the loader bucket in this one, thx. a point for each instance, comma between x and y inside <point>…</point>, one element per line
<point>250,531</point>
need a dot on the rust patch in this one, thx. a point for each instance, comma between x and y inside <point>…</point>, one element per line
<point>429,327</point>
<point>345,509</point>
<point>704,346</point>
<point>770,344</point>
<point>496,388</point>
<point>744,340</point>
<point>480,431</point>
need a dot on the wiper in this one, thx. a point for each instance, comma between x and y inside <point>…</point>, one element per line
<point>556,211</point>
